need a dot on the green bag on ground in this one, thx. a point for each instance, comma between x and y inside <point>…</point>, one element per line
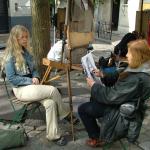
<point>12,137</point>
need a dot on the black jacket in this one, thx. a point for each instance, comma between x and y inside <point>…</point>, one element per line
<point>121,48</point>
<point>127,90</point>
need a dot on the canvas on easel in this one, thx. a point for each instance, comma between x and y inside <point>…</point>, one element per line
<point>79,21</point>
<point>79,24</point>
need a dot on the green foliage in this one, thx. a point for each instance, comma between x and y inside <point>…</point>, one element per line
<point>52,2</point>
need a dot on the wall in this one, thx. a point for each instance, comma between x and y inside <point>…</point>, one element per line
<point>145,20</point>
<point>127,16</point>
<point>4,27</point>
<point>102,13</point>
<point>20,13</point>
<point>133,7</point>
<point>127,13</point>
<point>123,24</point>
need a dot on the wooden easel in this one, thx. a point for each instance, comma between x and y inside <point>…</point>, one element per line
<point>66,67</point>
<point>75,40</point>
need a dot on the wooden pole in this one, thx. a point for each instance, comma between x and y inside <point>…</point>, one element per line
<point>65,30</point>
<point>141,18</point>
<point>111,20</point>
<point>68,70</point>
<point>70,102</point>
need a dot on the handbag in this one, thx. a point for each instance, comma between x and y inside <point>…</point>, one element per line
<point>11,136</point>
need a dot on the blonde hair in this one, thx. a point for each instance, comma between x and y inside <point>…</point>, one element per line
<point>140,51</point>
<point>13,48</point>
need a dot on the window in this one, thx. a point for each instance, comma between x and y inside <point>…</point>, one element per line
<point>16,6</point>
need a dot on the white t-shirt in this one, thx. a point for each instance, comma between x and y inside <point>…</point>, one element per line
<point>55,52</point>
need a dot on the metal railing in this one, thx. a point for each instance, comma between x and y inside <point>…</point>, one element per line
<point>104,30</point>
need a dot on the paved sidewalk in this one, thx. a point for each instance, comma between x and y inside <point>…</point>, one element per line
<point>81,94</point>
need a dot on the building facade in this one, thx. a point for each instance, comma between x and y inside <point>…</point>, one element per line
<point>14,12</point>
<point>120,14</point>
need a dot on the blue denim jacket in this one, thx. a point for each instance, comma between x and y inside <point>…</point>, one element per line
<point>19,77</point>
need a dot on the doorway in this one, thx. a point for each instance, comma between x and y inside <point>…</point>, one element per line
<point>115,14</point>
<point>4,16</point>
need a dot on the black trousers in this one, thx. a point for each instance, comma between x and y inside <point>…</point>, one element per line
<point>88,113</point>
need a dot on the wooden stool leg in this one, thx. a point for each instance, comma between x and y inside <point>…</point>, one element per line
<point>46,74</point>
<point>70,102</point>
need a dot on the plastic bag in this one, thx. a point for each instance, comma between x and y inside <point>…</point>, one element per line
<point>56,51</point>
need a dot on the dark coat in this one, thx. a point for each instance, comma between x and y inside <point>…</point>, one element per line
<point>121,48</point>
<point>128,90</point>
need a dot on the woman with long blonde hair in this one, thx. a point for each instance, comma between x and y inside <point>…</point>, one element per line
<point>13,47</point>
<point>120,107</point>
<point>22,74</point>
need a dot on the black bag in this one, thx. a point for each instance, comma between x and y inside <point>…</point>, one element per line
<point>109,69</point>
<point>107,62</point>
<point>127,110</point>
<point>130,112</point>
<point>113,126</point>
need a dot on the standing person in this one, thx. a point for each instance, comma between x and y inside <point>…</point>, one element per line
<point>22,74</point>
<point>133,86</point>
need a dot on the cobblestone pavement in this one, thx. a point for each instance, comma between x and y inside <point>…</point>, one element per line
<point>80,94</point>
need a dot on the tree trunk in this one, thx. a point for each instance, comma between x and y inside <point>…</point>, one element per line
<point>40,30</point>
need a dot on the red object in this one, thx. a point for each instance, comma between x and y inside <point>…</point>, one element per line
<point>95,143</point>
<point>148,35</point>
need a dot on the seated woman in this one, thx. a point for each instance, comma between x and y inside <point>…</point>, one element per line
<point>22,74</point>
<point>133,86</point>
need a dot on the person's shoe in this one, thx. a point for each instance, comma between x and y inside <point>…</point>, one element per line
<point>95,143</point>
<point>62,141</point>
<point>74,118</point>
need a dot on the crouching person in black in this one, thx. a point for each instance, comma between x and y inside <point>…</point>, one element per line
<point>120,108</point>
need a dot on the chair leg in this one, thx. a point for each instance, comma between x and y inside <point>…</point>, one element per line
<point>36,107</point>
<point>6,88</point>
<point>41,114</point>
<point>19,115</point>
<point>31,110</point>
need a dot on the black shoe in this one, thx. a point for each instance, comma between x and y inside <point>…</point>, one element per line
<point>61,141</point>
<point>74,119</point>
